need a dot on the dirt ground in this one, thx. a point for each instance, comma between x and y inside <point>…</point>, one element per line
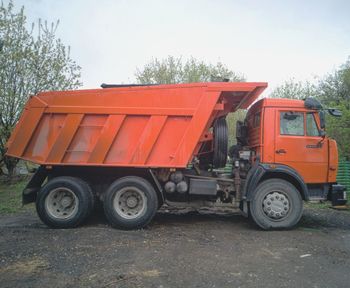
<point>177,250</point>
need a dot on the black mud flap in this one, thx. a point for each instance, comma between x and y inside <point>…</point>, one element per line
<point>338,195</point>
<point>244,207</point>
<point>31,190</point>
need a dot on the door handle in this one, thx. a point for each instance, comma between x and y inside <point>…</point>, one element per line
<point>281,151</point>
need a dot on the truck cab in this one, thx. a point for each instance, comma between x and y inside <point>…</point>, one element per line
<point>285,132</point>
<point>289,146</point>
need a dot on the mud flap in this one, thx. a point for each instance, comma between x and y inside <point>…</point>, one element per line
<point>31,190</point>
<point>243,206</point>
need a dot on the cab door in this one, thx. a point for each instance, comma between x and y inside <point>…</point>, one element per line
<point>298,144</point>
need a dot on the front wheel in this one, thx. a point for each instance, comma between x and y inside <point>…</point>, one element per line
<point>276,204</point>
<point>130,203</point>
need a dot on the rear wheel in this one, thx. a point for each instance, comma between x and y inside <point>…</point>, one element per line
<point>276,204</point>
<point>130,203</point>
<point>64,202</point>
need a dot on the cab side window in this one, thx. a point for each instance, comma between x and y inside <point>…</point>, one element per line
<point>311,126</point>
<point>292,123</point>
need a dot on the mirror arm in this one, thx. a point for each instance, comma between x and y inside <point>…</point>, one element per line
<point>323,135</point>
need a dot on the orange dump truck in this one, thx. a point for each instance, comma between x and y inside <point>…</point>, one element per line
<point>136,148</point>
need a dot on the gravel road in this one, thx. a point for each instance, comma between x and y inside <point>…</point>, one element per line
<point>177,250</point>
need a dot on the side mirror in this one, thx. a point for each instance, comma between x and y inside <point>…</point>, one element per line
<point>312,103</point>
<point>322,119</point>
<point>322,133</point>
<point>334,112</point>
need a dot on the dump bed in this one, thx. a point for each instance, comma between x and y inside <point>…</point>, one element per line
<point>145,126</point>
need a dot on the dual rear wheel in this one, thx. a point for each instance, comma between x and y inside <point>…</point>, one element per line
<point>130,203</point>
<point>66,202</point>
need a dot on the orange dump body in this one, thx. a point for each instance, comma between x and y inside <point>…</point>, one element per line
<point>143,126</point>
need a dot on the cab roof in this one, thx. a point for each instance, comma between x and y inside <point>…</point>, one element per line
<point>277,102</point>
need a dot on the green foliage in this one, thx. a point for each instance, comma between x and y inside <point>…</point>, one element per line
<point>232,119</point>
<point>334,89</point>
<point>334,92</point>
<point>292,89</point>
<point>31,61</point>
<point>176,70</point>
<point>339,128</point>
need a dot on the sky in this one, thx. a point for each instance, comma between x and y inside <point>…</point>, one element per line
<point>268,40</point>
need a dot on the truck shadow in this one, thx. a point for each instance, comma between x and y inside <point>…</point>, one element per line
<point>179,218</point>
<point>325,218</point>
<point>195,218</point>
<point>311,219</point>
<point>315,219</point>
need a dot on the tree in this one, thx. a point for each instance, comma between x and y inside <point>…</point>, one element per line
<point>31,60</point>
<point>176,70</point>
<point>334,92</point>
<point>339,129</point>
<point>292,89</point>
<point>334,88</point>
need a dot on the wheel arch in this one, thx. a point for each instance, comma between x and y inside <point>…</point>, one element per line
<point>287,177</point>
<point>264,172</point>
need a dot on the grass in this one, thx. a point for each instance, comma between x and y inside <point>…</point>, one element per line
<point>11,197</point>
<point>318,205</point>
<point>325,205</point>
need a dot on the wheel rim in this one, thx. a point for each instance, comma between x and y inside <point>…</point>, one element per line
<point>276,206</point>
<point>130,202</point>
<point>61,203</point>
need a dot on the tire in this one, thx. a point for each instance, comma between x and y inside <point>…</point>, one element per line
<point>220,143</point>
<point>64,202</point>
<point>276,204</point>
<point>130,203</point>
